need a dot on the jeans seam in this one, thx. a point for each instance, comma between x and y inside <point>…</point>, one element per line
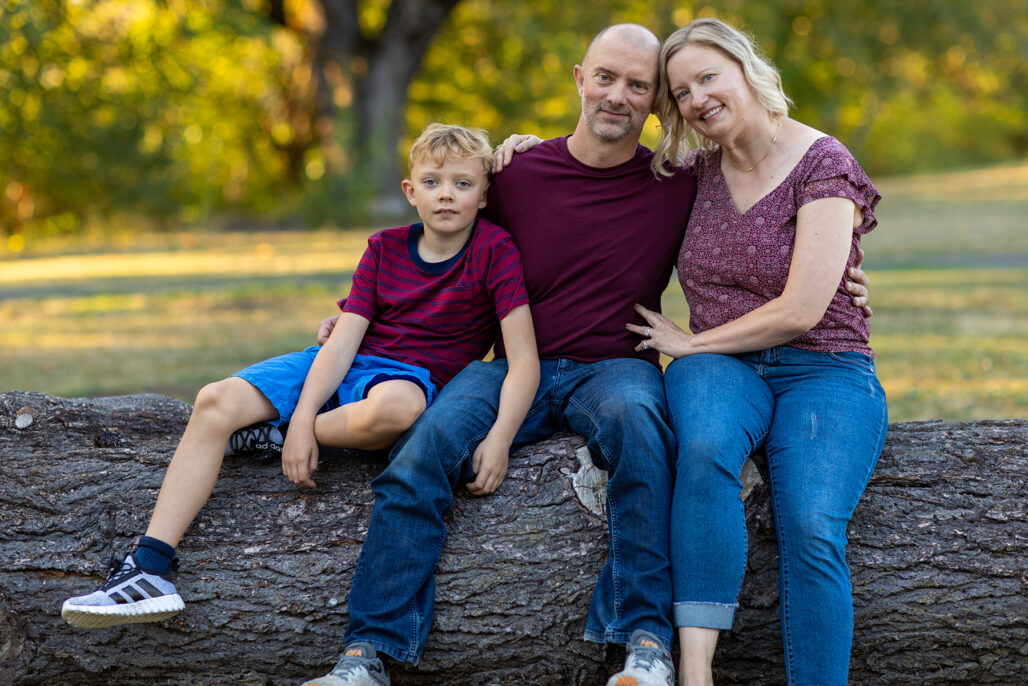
<point>784,562</point>
<point>615,570</point>
<point>412,637</point>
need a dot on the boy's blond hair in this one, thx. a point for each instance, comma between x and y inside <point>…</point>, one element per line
<point>439,141</point>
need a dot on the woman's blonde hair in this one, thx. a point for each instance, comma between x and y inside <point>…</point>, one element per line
<point>760,73</point>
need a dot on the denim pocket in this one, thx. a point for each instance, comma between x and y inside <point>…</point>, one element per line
<point>854,359</point>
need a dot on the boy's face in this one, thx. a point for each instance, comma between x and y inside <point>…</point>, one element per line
<point>447,196</point>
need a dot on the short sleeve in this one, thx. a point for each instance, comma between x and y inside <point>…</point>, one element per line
<point>363,293</point>
<point>505,278</point>
<point>834,173</point>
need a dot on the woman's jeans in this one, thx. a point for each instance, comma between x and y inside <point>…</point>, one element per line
<point>617,405</point>
<point>821,418</point>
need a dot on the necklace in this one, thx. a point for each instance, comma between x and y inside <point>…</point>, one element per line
<point>773,141</point>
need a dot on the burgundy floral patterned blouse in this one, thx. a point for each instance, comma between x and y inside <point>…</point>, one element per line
<point>730,264</point>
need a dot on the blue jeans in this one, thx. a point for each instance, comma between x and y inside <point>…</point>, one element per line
<point>617,405</point>
<point>821,418</point>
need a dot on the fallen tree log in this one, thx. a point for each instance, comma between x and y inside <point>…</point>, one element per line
<point>938,553</point>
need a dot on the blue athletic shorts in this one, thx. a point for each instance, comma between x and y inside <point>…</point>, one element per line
<point>281,379</point>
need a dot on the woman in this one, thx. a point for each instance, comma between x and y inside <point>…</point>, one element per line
<point>778,359</point>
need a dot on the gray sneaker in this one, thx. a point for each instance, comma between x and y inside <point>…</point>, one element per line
<point>131,594</point>
<point>359,665</point>
<point>648,663</point>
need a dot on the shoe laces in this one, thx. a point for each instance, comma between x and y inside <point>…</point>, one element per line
<point>645,658</point>
<point>349,665</point>
<point>118,567</point>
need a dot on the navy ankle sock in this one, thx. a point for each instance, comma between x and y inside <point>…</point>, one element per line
<point>154,555</point>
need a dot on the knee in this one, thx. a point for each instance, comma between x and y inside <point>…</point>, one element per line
<point>635,406</point>
<point>396,405</point>
<point>214,403</point>
<point>816,535</point>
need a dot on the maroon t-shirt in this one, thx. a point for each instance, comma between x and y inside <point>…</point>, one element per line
<point>593,243</point>
<point>437,315</point>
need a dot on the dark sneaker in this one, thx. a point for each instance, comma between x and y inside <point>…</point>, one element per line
<point>260,440</point>
<point>359,665</point>
<point>648,663</point>
<point>129,595</point>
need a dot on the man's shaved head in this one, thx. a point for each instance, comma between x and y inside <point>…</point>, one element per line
<point>637,35</point>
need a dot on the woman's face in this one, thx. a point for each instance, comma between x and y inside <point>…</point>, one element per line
<point>711,91</point>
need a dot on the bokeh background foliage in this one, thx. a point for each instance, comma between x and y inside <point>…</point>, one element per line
<point>186,185</point>
<point>180,111</point>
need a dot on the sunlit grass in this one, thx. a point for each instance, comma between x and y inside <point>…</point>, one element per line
<point>166,313</point>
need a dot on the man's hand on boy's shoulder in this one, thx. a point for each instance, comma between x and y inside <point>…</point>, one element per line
<point>490,465</point>
<point>326,327</point>
<point>516,142</point>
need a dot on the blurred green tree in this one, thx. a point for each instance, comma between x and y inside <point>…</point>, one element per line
<point>180,110</point>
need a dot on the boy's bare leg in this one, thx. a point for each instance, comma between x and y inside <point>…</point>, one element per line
<point>375,422</point>
<point>697,646</point>
<point>221,408</point>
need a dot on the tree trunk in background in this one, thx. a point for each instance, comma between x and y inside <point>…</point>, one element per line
<point>938,553</point>
<point>380,66</point>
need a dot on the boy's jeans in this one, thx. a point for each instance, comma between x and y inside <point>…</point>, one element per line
<point>618,405</point>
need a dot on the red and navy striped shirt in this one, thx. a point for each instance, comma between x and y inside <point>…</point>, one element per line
<point>437,315</point>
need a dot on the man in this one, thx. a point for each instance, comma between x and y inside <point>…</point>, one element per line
<point>597,233</point>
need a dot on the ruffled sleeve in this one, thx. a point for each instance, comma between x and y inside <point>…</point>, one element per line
<point>832,172</point>
<point>698,161</point>
<point>690,159</point>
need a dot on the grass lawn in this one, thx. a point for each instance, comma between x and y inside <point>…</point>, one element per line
<point>168,313</point>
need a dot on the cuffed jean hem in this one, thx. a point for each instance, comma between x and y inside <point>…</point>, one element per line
<point>706,615</point>
<point>619,638</point>
<point>408,656</point>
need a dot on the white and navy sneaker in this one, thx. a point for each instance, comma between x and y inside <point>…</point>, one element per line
<point>262,440</point>
<point>130,595</point>
<point>648,663</point>
<point>359,665</point>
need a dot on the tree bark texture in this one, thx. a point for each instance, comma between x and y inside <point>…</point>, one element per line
<point>937,551</point>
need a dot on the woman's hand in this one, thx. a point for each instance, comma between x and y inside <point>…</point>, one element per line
<point>662,334</point>
<point>517,142</point>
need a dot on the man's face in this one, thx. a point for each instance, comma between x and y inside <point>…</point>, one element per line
<point>617,84</point>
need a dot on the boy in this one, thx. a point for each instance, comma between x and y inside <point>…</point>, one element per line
<point>424,303</point>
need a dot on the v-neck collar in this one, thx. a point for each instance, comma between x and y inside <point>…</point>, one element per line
<point>728,192</point>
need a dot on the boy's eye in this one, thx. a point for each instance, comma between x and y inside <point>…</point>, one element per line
<point>463,184</point>
<point>429,182</point>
